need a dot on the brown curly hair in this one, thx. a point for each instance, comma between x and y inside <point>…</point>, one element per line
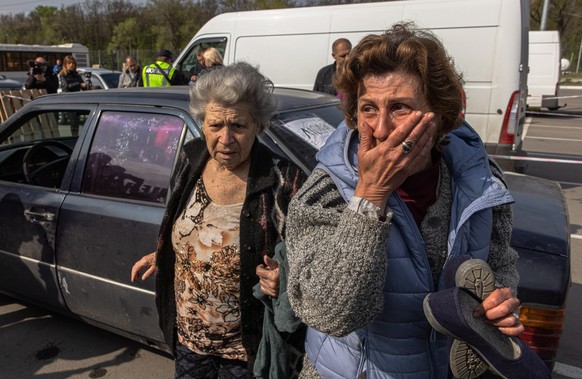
<point>418,52</point>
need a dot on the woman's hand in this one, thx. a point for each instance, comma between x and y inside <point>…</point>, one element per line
<point>384,165</point>
<point>501,309</point>
<point>269,276</point>
<point>147,262</point>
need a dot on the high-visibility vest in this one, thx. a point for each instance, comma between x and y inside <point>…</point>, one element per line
<point>153,77</point>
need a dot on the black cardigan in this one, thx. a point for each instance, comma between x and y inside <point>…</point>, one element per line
<point>271,183</point>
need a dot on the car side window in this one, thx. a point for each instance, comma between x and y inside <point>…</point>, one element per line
<point>131,156</point>
<point>38,149</point>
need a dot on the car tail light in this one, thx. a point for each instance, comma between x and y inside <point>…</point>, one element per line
<point>543,329</point>
<point>510,121</point>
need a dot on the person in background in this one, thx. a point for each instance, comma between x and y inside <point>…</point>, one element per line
<point>40,77</point>
<point>69,78</point>
<point>340,50</point>
<point>402,185</point>
<point>131,75</point>
<point>194,71</point>
<point>161,73</point>
<point>212,61</point>
<point>71,81</point>
<point>223,220</point>
<point>57,67</point>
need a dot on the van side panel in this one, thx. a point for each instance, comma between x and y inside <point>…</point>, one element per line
<point>292,69</point>
<point>483,36</point>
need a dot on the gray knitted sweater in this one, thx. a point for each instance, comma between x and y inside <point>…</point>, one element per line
<point>337,257</point>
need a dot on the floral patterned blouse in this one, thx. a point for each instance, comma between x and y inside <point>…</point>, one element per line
<point>207,279</point>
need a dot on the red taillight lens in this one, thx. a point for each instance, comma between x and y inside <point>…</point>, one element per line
<point>543,329</point>
<point>510,121</point>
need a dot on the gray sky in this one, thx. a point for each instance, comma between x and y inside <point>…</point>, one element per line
<point>26,6</point>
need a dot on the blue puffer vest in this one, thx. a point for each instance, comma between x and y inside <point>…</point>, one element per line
<point>400,343</point>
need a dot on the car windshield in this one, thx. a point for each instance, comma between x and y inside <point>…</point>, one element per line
<point>304,132</point>
<point>111,79</point>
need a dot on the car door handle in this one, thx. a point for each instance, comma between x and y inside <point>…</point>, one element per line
<point>38,216</point>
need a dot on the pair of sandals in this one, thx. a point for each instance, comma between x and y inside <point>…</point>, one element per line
<point>477,345</point>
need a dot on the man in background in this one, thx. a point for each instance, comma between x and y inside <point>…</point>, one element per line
<point>339,51</point>
<point>131,74</point>
<point>161,73</point>
<point>40,77</point>
<point>194,71</point>
<point>57,67</point>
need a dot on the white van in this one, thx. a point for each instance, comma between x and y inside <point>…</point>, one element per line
<point>543,81</point>
<point>487,38</point>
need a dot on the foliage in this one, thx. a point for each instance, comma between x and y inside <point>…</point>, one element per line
<point>119,27</point>
<point>564,16</point>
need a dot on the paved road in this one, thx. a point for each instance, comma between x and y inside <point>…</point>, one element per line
<point>35,343</point>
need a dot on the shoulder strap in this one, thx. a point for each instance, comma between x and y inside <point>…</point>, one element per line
<point>163,73</point>
<point>135,79</point>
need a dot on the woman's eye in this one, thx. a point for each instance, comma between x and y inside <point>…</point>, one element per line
<point>401,109</point>
<point>367,109</point>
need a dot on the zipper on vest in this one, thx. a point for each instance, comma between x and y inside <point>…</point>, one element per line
<point>417,236</point>
<point>430,346</point>
<point>364,356</point>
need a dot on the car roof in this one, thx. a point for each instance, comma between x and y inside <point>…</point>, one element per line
<point>287,98</point>
<point>99,70</point>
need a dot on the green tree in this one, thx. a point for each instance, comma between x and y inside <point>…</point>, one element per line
<point>171,19</point>
<point>563,16</point>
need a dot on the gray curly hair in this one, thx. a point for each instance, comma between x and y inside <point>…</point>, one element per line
<point>239,82</point>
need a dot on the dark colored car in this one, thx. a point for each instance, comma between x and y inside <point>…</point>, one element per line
<point>7,83</point>
<point>84,181</point>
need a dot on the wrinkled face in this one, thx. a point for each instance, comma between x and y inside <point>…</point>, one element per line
<point>385,101</point>
<point>341,54</point>
<point>230,133</point>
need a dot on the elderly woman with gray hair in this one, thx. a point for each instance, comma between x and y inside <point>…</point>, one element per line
<point>224,218</point>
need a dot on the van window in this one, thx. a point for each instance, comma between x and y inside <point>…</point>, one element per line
<point>189,65</point>
<point>131,156</point>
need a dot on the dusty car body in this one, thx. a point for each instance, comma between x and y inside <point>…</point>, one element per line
<point>82,197</point>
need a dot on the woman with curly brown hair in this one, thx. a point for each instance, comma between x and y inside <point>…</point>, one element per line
<point>402,187</point>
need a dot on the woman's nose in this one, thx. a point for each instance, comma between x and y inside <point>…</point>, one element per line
<point>383,127</point>
<point>225,136</point>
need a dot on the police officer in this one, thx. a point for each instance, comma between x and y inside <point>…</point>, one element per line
<point>161,73</point>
